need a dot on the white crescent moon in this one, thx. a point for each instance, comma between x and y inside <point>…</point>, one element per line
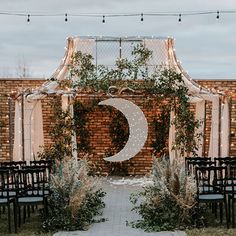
<point>138,128</point>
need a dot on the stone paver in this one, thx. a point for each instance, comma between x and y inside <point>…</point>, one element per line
<point>118,212</point>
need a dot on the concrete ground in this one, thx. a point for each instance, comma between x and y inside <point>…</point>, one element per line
<point>118,212</point>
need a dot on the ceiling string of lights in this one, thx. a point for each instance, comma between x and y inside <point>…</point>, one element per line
<point>104,16</point>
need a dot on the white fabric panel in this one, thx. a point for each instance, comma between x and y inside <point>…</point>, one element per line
<point>200,115</point>
<point>64,102</point>
<point>37,137</point>
<point>214,137</point>
<point>33,130</point>
<point>225,129</point>
<point>172,153</point>
<point>17,148</point>
<point>28,108</point>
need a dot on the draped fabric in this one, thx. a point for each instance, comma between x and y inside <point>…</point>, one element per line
<point>225,129</point>
<point>17,147</point>
<point>33,139</point>
<point>200,115</point>
<point>215,122</point>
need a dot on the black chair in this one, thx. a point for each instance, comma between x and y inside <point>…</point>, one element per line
<point>7,195</point>
<point>210,188</point>
<point>31,190</point>
<point>17,164</point>
<point>189,163</point>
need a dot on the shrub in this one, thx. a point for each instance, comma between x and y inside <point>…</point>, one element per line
<point>75,197</point>
<point>170,202</point>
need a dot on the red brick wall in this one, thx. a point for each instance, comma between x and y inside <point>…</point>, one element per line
<point>98,125</point>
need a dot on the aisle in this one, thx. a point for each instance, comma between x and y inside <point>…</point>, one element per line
<point>117,212</point>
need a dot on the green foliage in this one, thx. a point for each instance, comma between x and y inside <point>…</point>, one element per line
<point>170,202</point>
<point>163,84</point>
<point>160,125</point>
<point>81,112</point>
<point>61,133</point>
<point>75,198</point>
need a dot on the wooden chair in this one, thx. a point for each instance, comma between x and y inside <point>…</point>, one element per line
<point>210,188</point>
<point>190,160</point>
<point>6,196</point>
<point>31,190</point>
<point>17,164</point>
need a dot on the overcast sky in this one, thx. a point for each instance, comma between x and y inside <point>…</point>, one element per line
<point>205,46</point>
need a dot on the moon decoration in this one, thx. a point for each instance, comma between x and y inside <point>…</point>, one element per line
<point>138,128</point>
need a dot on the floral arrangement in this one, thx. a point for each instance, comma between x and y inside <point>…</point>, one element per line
<point>75,197</point>
<point>169,203</point>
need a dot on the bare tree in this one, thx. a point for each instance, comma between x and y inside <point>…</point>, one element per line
<point>23,69</point>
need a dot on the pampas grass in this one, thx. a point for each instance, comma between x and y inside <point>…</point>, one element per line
<point>170,201</point>
<point>76,196</point>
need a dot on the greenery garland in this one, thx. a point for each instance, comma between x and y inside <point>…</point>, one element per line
<point>163,84</point>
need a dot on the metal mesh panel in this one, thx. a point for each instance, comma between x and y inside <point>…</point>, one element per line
<point>106,50</point>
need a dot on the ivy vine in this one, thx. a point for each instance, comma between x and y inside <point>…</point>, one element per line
<point>162,84</point>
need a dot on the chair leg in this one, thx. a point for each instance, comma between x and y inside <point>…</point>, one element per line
<point>229,213</point>
<point>233,220</point>
<point>28,211</point>
<point>226,213</point>
<point>9,218</point>
<point>19,216</point>
<point>221,212</point>
<point>15,216</point>
<point>24,214</point>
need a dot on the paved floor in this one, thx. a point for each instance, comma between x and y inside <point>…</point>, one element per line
<point>118,212</point>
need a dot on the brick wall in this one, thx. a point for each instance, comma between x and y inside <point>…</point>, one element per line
<point>98,125</point>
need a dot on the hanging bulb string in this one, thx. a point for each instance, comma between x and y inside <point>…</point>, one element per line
<point>105,15</point>
<point>180,19</point>
<point>141,17</point>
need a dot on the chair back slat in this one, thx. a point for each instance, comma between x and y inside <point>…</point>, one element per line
<point>210,179</point>
<point>31,182</point>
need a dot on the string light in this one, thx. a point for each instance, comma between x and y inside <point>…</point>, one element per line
<point>141,17</point>
<point>180,18</point>
<point>98,15</point>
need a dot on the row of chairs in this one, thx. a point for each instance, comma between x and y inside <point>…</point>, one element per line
<point>23,186</point>
<point>217,185</point>
<point>192,162</point>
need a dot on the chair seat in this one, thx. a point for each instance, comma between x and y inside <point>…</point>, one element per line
<point>40,192</point>
<point>11,193</point>
<point>206,189</point>
<point>30,199</point>
<point>211,197</point>
<point>3,200</point>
